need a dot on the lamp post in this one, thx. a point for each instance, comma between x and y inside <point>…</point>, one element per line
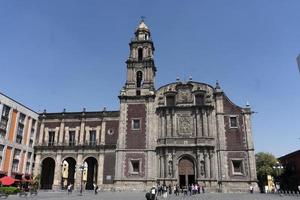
<point>277,168</point>
<point>81,168</point>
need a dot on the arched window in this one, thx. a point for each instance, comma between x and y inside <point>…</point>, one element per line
<point>140,54</point>
<point>139,79</point>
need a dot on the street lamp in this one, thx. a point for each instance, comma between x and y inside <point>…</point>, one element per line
<point>81,168</point>
<point>277,168</point>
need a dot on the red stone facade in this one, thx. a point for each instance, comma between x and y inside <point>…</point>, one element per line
<point>136,139</point>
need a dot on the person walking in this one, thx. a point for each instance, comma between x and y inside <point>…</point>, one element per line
<point>69,188</point>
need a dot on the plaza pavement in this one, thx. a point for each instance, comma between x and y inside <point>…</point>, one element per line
<point>141,196</point>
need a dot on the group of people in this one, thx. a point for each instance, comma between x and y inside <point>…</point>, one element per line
<point>164,190</point>
<point>70,188</point>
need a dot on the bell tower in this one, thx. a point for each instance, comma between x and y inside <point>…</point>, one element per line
<point>140,64</point>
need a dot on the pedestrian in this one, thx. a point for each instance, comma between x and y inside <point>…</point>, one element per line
<point>196,188</point>
<point>165,191</point>
<point>96,188</point>
<point>203,189</point>
<point>251,189</point>
<point>153,193</point>
<point>69,188</point>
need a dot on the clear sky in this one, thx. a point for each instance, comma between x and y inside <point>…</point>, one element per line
<point>57,54</point>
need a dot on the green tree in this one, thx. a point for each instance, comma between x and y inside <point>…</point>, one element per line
<point>264,166</point>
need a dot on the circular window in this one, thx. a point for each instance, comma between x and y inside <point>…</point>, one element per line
<point>110,131</point>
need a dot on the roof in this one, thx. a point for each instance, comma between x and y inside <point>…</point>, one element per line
<point>295,153</point>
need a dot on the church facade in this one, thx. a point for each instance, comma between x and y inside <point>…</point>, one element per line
<point>181,133</point>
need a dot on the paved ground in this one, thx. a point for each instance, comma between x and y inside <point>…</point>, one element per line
<point>141,196</point>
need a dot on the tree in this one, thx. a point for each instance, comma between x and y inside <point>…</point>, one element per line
<point>264,166</point>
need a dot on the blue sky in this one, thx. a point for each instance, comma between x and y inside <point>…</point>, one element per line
<point>71,54</point>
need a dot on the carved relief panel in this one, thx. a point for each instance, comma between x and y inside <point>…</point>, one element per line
<point>185,125</point>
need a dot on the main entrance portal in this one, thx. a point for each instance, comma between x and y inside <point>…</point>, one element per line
<point>186,171</point>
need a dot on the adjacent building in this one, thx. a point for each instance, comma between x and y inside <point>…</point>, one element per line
<point>180,133</point>
<point>18,127</point>
<point>290,179</point>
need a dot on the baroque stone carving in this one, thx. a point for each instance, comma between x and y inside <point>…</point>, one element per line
<point>185,125</point>
<point>185,96</point>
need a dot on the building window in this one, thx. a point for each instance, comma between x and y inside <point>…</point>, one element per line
<point>136,124</point>
<point>233,120</point>
<point>4,121</point>
<point>135,166</point>
<point>20,128</point>
<point>15,166</point>
<point>199,99</point>
<point>170,100</point>
<point>139,79</point>
<point>237,166</point>
<point>27,170</point>
<point>92,138</point>
<point>51,138</point>
<point>71,138</point>
<point>1,153</point>
<point>140,54</point>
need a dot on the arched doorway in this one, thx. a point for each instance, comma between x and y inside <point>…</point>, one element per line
<point>68,172</point>
<point>47,175</point>
<point>186,171</point>
<point>91,174</point>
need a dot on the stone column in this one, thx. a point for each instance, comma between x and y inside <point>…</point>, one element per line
<point>37,165</point>
<point>41,135</point>
<point>207,165</point>
<point>163,128</point>
<point>66,140</point>
<point>78,172</point>
<point>209,125</point>
<point>57,173</point>
<point>46,136</point>
<point>98,136</point>
<point>169,124</point>
<point>100,169</point>
<point>205,122</point>
<point>82,131</point>
<point>211,159</point>
<point>198,164</point>
<point>103,128</point>
<point>61,132</point>
<point>198,123</point>
<point>77,135</point>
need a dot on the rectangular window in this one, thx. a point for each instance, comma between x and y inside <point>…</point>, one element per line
<point>17,154</point>
<point>20,128</point>
<point>15,165</point>
<point>92,138</point>
<point>136,124</point>
<point>1,153</point>
<point>71,138</point>
<point>237,166</point>
<point>233,122</point>
<point>199,100</point>
<point>4,121</point>
<point>170,100</point>
<point>27,168</point>
<point>51,138</point>
<point>135,166</point>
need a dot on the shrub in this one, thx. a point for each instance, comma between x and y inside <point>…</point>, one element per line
<point>9,190</point>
